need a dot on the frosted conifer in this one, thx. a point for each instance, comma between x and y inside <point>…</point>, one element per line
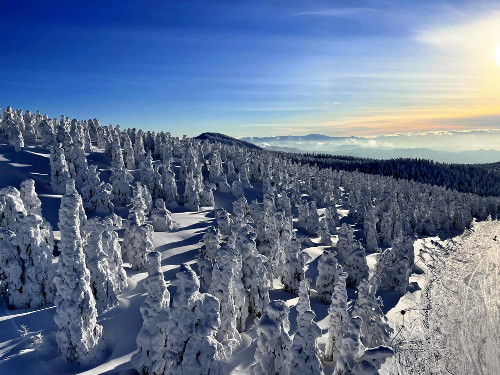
<point>79,335</point>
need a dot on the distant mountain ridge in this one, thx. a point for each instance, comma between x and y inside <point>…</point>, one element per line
<point>448,149</point>
<point>225,139</point>
<point>296,138</point>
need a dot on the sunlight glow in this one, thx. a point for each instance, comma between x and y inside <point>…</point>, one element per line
<point>497,55</point>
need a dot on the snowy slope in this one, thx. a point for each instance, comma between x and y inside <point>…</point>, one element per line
<point>121,324</point>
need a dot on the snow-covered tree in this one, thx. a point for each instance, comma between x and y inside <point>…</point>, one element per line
<point>324,233</point>
<point>169,187</point>
<point>203,352</point>
<point>26,259</point>
<point>351,255</point>
<point>207,195</point>
<point>111,246</point>
<point>161,218</point>
<point>152,339</point>
<point>79,335</point>
<point>150,177</point>
<point>191,193</point>
<point>225,282</point>
<point>305,351</point>
<point>328,272</point>
<point>332,218</point>
<point>120,181</point>
<point>304,302</point>
<point>137,213</point>
<point>102,276</point>
<point>128,152</point>
<point>254,273</point>
<point>206,257</point>
<point>293,268</point>
<point>374,330</point>
<point>194,320</point>
<point>223,222</point>
<point>96,195</point>
<point>30,199</point>
<point>370,228</point>
<point>139,150</point>
<point>338,318</point>
<point>137,243</point>
<point>351,347</point>
<point>59,172</point>
<point>394,267</point>
<point>273,353</point>
<point>48,136</point>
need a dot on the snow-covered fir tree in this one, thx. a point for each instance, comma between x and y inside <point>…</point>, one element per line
<point>225,281</point>
<point>128,152</point>
<point>206,257</point>
<point>338,317</point>
<point>305,351</point>
<point>102,276</point>
<point>152,339</point>
<point>273,353</point>
<point>328,272</point>
<point>370,229</point>
<point>96,195</point>
<point>394,267</point>
<point>351,255</point>
<point>374,328</point>
<point>59,172</point>
<point>79,336</point>
<point>194,321</point>
<point>161,218</point>
<point>137,243</point>
<point>137,213</point>
<point>26,262</point>
<point>254,273</point>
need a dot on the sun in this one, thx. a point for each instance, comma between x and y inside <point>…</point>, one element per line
<point>497,55</point>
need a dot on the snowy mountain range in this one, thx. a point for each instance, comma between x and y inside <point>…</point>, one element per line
<point>446,147</point>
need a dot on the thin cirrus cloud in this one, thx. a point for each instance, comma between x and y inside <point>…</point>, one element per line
<point>336,12</point>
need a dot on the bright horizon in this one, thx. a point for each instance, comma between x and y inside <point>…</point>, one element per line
<point>257,68</point>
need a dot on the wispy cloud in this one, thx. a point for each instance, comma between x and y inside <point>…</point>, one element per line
<point>336,12</point>
<point>482,31</point>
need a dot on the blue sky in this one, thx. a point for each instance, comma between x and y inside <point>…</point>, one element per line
<point>256,67</point>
